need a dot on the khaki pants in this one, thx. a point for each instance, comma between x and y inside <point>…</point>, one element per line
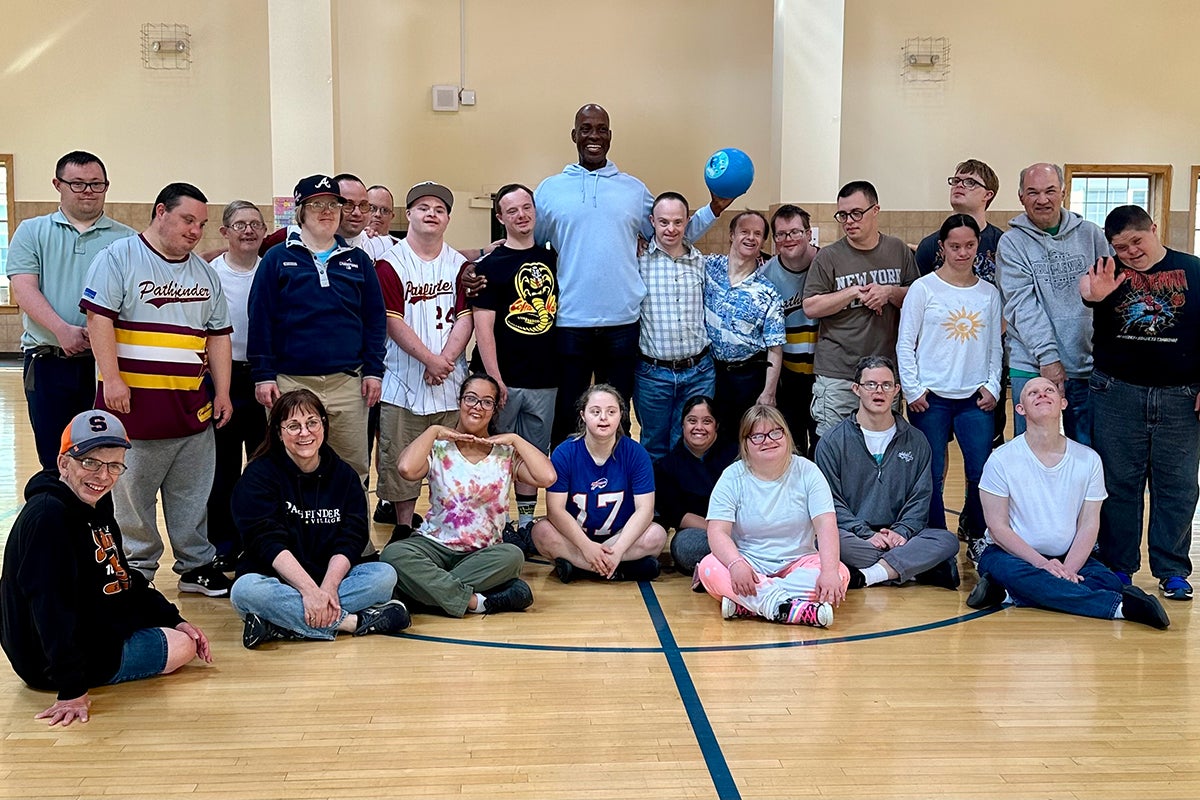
<point>398,427</point>
<point>347,410</point>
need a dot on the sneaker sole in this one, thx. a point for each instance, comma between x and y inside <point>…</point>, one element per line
<point>731,610</point>
<point>196,588</point>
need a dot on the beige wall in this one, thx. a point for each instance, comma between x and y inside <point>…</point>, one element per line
<point>680,79</point>
<point>71,77</point>
<point>1101,81</point>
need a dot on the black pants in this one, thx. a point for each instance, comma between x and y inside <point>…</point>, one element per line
<point>56,389</point>
<point>794,399</point>
<point>609,354</point>
<point>738,386</point>
<point>245,431</point>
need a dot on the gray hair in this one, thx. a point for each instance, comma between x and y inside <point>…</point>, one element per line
<point>235,207</point>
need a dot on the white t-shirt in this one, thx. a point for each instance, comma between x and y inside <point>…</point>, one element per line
<point>235,283</point>
<point>1044,502</point>
<point>878,441</point>
<point>949,340</point>
<point>772,520</point>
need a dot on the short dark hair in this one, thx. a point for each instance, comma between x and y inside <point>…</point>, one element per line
<point>671,196</point>
<point>346,176</point>
<point>80,158</point>
<point>873,362</point>
<point>281,409</point>
<point>506,190</point>
<point>733,223</point>
<point>1123,218</point>
<point>375,186</point>
<point>957,221</point>
<point>866,187</point>
<point>991,181</point>
<point>789,211</point>
<point>698,400</point>
<point>172,195</point>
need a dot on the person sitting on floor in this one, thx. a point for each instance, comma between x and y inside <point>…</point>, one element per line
<point>600,510</point>
<point>877,466</point>
<point>457,560</point>
<point>302,517</point>
<point>684,481</point>
<point>773,531</point>
<point>1041,495</point>
<point>73,615</point>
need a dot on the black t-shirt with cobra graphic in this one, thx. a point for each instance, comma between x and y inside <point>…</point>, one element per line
<point>522,288</point>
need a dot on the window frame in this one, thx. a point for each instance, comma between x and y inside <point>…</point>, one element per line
<point>1160,186</point>
<point>1192,193</point>
<point>6,159</point>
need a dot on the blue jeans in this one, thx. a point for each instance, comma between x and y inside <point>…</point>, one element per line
<point>1077,419</point>
<point>607,354</point>
<point>365,585</point>
<point>56,389</point>
<point>658,397</point>
<point>144,655</point>
<point>1097,596</point>
<point>973,429</point>
<point>1147,433</point>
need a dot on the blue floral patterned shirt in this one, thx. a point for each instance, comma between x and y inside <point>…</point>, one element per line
<point>742,320</point>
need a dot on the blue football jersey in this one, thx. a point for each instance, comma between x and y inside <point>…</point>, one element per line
<point>600,496</point>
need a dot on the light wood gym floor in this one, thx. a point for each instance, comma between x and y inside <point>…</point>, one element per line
<point>628,690</point>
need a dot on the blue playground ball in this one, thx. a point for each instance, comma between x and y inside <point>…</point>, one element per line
<point>729,172</point>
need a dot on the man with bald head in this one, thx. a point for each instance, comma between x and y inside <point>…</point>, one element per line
<point>1039,262</point>
<point>592,214</point>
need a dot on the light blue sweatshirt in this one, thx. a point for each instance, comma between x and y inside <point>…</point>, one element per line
<point>593,218</point>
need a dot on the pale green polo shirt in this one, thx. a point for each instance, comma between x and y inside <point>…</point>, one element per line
<point>51,248</point>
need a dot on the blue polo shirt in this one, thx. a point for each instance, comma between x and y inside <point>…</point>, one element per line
<point>51,248</point>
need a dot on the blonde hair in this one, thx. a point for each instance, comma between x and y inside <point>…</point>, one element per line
<point>757,414</point>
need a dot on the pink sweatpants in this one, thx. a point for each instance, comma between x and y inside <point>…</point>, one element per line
<point>797,579</point>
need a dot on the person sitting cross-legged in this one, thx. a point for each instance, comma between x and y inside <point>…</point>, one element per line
<point>878,469</point>
<point>457,560</point>
<point>1041,497</point>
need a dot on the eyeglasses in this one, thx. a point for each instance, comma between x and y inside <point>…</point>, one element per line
<point>966,183</point>
<point>114,468</point>
<point>775,434</point>
<point>855,215</point>
<point>787,236</point>
<point>311,425</point>
<point>384,210</point>
<point>93,186</point>
<point>242,225</point>
<point>364,207</point>
<point>486,403</point>
<point>324,205</point>
<point>875,386</point>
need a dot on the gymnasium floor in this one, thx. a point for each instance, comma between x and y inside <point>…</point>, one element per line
<point>633,690</point>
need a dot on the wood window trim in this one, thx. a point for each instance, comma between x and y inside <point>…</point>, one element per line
<point>1160,187</point>
<point>1191,231</point>
<point>7,160</point>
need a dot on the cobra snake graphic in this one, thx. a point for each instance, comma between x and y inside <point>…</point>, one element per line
<point>536,304</point>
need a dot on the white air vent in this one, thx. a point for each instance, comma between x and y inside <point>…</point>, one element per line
<point>445,97</point>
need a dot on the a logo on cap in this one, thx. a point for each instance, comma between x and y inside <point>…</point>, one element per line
<point>98,424</point>
<point>323,184</point>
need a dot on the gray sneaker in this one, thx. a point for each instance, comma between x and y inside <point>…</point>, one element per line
<point>389,617</point>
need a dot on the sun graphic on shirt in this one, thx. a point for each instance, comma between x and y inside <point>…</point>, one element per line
<point>963,325</point>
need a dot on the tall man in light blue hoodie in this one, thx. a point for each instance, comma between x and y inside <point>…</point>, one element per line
<point>592,214</point>
<point>1039,262</point>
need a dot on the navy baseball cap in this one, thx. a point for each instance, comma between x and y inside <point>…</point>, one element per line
<point>91,429</point>
<point>315,185</point>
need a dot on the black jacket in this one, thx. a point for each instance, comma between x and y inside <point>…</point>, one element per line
<point>68,599</point>
<point>314,515</point>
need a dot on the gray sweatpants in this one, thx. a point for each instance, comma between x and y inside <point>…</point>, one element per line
<point>183,470</point>
<point>924,550</point>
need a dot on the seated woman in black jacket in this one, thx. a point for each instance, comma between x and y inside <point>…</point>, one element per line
<point>302,517</point>
<point>684,480</point>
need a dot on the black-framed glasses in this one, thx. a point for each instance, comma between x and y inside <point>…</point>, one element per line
<point>855,214</point>
<point>875,386</point>
<point>311,425</point>
<point>775,434</point>
<point>114,468</point>
<point>242,225</point>
<point>472,400</point>
<point>966,183</point>
<point>787,236</point>
<point>324,205</point>
<point>93,186</point>
<point>364,207</point>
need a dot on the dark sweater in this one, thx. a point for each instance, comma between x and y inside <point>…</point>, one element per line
<point>683,483</point>
<point>68,599</point>
<point>313,515</point>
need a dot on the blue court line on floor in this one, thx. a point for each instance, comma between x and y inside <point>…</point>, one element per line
<point>717,648</point>
<point>710,748</point>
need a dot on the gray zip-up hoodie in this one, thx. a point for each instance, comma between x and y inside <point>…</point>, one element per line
<point>894,494</point>
<point>1038,275</point>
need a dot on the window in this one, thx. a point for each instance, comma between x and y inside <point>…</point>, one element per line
<point>1193,222</point>
<point>1095,189</point>
<point>6,224</point>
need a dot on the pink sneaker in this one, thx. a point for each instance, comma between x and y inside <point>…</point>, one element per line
<point>733,610</point>
<point>805,612</point>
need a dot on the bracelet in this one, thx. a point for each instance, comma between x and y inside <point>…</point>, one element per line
<point>738,560</point>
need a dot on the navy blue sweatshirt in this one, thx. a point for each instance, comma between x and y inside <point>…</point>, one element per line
<point>68,599</point>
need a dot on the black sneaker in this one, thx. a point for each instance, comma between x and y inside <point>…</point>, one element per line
<point>1137,606</point>
<point>225,562</point>
<point>521,537</point>
<point>565,569</point>
<point>857,579</point>
<point>206,580</point>
<point>944,574</point>
<point>257,630</point>
<point>389,617</point>
<point>385,513</point>
<point>645,568</point>
<point>400,533</point>
<point>975,549</point>
<point>986,594</point>
<point>515,595</point>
